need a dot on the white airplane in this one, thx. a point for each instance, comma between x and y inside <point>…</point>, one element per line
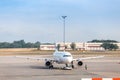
<point>62,57</point>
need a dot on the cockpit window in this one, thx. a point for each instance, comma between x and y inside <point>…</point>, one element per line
<point>66,55</point>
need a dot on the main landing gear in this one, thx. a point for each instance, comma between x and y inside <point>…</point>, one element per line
<point>51,67</point>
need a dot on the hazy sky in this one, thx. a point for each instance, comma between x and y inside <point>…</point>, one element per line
<point>40,20</point>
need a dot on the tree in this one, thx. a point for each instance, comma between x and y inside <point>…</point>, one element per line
<point>58,47</point>
<point>20,44</point>
<point>37,45</point>
<point>5,45</point>
<point>29,45</point>
<point>109,46</point>
<point>103,41</point>
<point>66,47</point>
<point>114,46</point>
<point>73,46</point>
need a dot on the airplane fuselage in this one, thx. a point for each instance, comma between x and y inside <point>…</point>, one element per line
<point>63,57</point>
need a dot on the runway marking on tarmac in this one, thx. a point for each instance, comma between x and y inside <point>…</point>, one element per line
<point>100,79</point>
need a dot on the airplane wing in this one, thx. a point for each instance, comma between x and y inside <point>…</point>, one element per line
<point>86,58</point>
<point>36,58</point>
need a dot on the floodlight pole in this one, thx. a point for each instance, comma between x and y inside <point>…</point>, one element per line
<point>64,17</point>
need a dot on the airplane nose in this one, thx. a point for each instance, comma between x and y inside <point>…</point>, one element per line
<point>68,60</point>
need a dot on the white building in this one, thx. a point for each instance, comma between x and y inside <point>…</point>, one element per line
<point>79,46</point>
<point>93,46</point>
<point>47,47</point>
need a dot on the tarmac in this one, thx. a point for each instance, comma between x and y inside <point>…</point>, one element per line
<point>13,68</point>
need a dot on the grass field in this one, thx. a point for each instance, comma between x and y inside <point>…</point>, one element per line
<point>34,51</point>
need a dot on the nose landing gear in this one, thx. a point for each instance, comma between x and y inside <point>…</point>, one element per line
<point>69,67</point>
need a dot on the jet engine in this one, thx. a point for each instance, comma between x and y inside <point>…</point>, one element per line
<point>48,63</point>
<point>80,63</point>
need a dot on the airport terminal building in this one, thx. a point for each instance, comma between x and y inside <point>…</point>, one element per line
<point>79,46</point>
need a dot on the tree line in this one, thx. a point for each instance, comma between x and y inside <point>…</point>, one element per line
<point>19,44</point>
<point>107,44</point>
<point>103,41</point>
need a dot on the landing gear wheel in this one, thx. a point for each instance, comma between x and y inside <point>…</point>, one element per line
<point>51,67</point>
<point>66,65</point>
<point>73,66</point>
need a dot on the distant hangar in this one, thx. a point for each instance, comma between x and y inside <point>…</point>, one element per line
<point>79,46</point>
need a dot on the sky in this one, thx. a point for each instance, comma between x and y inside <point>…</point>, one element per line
<point>40,20</point>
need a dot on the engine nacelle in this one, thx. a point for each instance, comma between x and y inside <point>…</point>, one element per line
<point>80,63</point>
<point>48,63</point>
